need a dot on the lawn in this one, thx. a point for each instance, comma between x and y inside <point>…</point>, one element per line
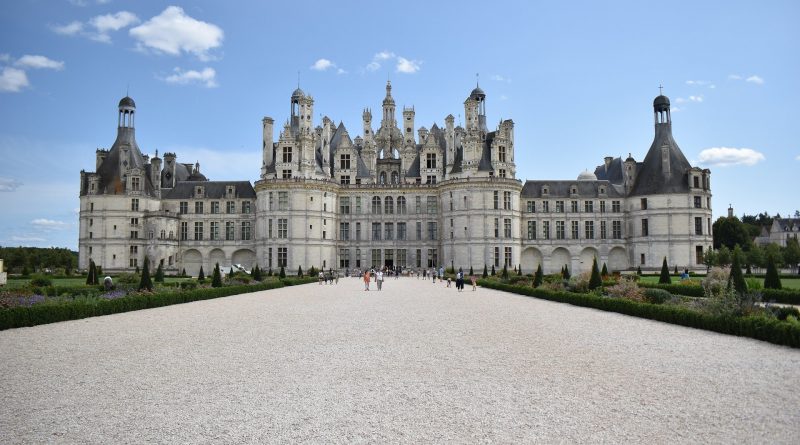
<point>788,283</point>
<point>15,283</point>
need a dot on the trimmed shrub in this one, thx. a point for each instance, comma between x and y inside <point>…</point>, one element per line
<point>595,281</point>
<point>565,274</point>
<point>772,280</point>
<point>639,270</point>
<point>216,279</point>
<point>159,278</point>
<point>657,296</point>
<point>471,272</point>
<point>41,281</point>
<point>485,272</point>
<point>664,278</point>
<point>735,279</point>
<point>282,273</point>
<point>538,278</point>
<point>604,272</point>
<point>146,283</point>
<point>202,276</point>
<point>493,272</point>
<point>300,271</point>
<point>505,272</point>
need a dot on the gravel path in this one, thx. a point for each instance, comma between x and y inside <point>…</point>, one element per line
<point>414,363</point>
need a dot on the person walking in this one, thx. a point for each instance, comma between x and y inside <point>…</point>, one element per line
<point>366,280</point>
<point>320,278</point>
<point>379,279</point>
<point>460,280</point>
<point>472,279</point>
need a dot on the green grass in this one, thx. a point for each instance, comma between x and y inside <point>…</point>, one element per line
<point>788,283</point>
<point>16,283</point>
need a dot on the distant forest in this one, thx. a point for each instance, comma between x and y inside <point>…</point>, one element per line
<point>37,259</point>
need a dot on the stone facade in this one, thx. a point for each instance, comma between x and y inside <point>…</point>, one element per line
<point>393,197</point>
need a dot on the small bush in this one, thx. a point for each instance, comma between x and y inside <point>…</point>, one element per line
<point>627,289</point>
<point>188,285</point>
<point>127,278</point>
<point>657,296</point>
<point>783,312</point>
<point>40,281</point>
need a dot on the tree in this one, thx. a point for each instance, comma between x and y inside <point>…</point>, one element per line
<point>282,273</point>
<point>485,272</point>
<point>755,256</point>
<point>505,272</point>
<point>471,272</point>
<point>202,276</point>
<point>183,272</point>
<point>639,270</point>
<point>159,278</point>
<point>604,272</point>
<point>493,272</point>
<point>519,270</point>
<point>774,251</point>
<point>216,279</point>
<point>231,272</point>
<point>68,266</point>
<point>299,271</point>
<point>566,275</point>
<point>595,281</point>
<point>538,278</point>
<point>791,253</point>
<point>710,259</point>
<point>724,256</point>
<point>772,280</point>
<point>676,270</point>
<point>145,282</point>
<point>256,273</point>
<point>91,277</point>
<point>730,231</point>
<point>664,278</point>
<point>736,279</point>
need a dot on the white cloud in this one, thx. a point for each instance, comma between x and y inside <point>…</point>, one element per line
<point>755,79</point>
<point>13,80</point>
<point>734,77</point>
<point>49,224</point>
<point>70,29</point>
<point>25,239</point>
<point>340,71</point>
<point>407,66</point>
<point>9,184</point>
<point>208,77</point>
<point>724,156</point>
<point>113,22</point>
<point>29,61</point>
<point>322,65</point>
<point>174,32</point>
<point>696,98</point>
<point>379,58</point>
<point>384,55</point>
<point>500,78</point>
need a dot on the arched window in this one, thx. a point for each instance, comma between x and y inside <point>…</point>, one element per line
<point>376,205</point>
<point>388,205</point>
<point>395,178</point>
<point>382,178</point>
<point>401,205</point>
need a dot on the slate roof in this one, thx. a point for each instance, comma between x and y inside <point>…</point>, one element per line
<point>213,189</point>
<point>612,173</point>
<point>649,177</point>
<point>111,178</point>
<point>562,189</point>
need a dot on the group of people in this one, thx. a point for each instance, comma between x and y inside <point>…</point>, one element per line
<point>328,278</point>
<point>378,276</point>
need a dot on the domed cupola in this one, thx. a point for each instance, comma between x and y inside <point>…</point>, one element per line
<point>477,94</point>
<point>586,175</point>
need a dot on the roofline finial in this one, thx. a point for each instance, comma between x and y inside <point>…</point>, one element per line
<point>660,90</point>
<point>477,80</point>
<point>298,79</point>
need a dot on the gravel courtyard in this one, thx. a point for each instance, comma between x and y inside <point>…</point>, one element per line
<point>414,363</point>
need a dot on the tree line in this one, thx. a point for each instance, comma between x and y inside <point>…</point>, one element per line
<point>734,237</point>
<point>23,260</point>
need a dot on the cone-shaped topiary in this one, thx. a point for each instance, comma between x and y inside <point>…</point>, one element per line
<point>519,270</point>
<point>604,272</point>
<point>202,276</point>
<point>90,276</point>
<point>639,270</point>
<point>772,280</point>
<point>299,271</point>
<point>159,278</point>
<point>493,272</point>
<point>183,272</point>
<point>505,272</point>
<point>676,270</point>
<point>485,272</point>
<point>664,278</point>
<point>145,282</point>
<point>256,273</point>
<point>282,273</point>
<point>736,279</point>
<point>566,275</point>
<point>471,272</point>
<point>748,270</point>
<point>538,278</point>
<point>595,281</point>
<point>216,278</point>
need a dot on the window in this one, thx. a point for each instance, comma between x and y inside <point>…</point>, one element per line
<point>615,207</point>
<point>230,207</point>
<point>546,229</point>
<point>358,231</point>
<point>344,231</point>
<point>401,231</point>
<point>198,207</point>
<point>134,234</point>
<point>433,257</point>
<point>214,207</point>
<point>418,204</point>
<point>588,229</point>
<point>358,257</point>
<point>271,202</point>
<point>430,160</point>
<point>287,154</point>
<point>432,205</point>
<point>91,207</point>
<point>419,230</point>
<point>432,230</point>
<point>269,258</point>
<point>184,230</point>
<point>213,233</point>
<point>507,258</point>
<point>286,174</point>
<point>376,257</point>
<point>283,200</point>
<point>574,227</point>
<point>501,153</point>
<point>506,200</point>
<point>90,235</point>
<point>560,206</point>
<point>198,230</point>
<point>698,226</point>
<point>344,257</point>
<point>283,228</point>
<point>401,205</point>
<point>616,229</point>
<point>588,206</point>
<point>376,205</point>
<point>358,205</point>
<point>134,250</point>
<point>376,231</point>
<point>382,178</point>
<point>419,257</point>
<point>245,230</point>
<point>388,207</point>
<point>230,230</point>
<point>545,206</point>
<point>603,230</point>
<point>507,227</point>
<point>497,227</point>
<point>696,182</point>
<point>401,257</point>
<point>501,173</point>
<point>389,231</point>
<point>531,229</point>
<point>281,257</point>
<point>134,222</point>
<point>344,180</point>
<point>645,229</point>
<point>496,257</point>
<point>135,204</point>
<point>641,257</point>
<point>560,230</point>
<point>698,254</point>
<point>344,162</point>
<point>135,183</point>
<point>344,205</point>
<point>430,180</point>
<point>644,203</point>
<point>573,206</point>
<point>698,202</point>
<point>269,229</point>
<point>496,199</point>
<point>602,207</point>
<point>133,262</point>
<point>246,207</point>
<point>531,207</point>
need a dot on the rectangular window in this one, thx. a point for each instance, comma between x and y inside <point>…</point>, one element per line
<point>198,207</point>
<point>198,230</point>
<point>344,162</point>
<point>698,254</point>
<point>589,229</point>
<point>376,231</point>
<point>230,207</point>
<point>230,230</point>
<point>696,182</point>
<point>135,204</point>
<point>388,257</point>
<point>545,206</point>
<point>389,231</point>
<point>496,257</point>
<point>645,228</point>
<point>344,257</point>
<point>698,202</point>
<point>401,231</point>
<point>283,200</point>
<point>546,229</point>
<point>507,259</point>
<point>184,207</point>
<point>432,205</point>
<point>644,203</point>
<point>344,231</point>
<point>531,229</point>
<point>246,207</point>
<point>560,206</point>
<point>432,230</point>
<point>135,183</point>
<point>184,230</point>
<point>269,257</point>
<point>419,230</point>
<point>501,153</point>
<point>573,206</point>
<point>344,205</point>
<point>401,258</point>
<point>269,229</point>
<point>287,154</point>
<point>588,206</point>
<point>282,257</point>
<point>641,258</point>
<point>560,230</point>
<point>245,230</point>
<point>507,227</point>
<point>283,228</point>
<point>496,199</point>
<point>344,180</point>
<point>376,257</point>
<point>134,222</point>
<point>433,257</point>
<point>431,180</point>
<point>531,208</point>
<point>133,262</point>
<point>616,229</point>
<point>698,225</point>
<point>603,230</point>
<point>574,227</point>
<point>134,234</point>
<point>418,204</point>
<point>602,207</point>
<point>430,160</point>
<point>213,233</point>
<point>615,207</point>
<point>506,200</point>
<point>214,207</point>
<point>358,231</point>
<point>358,205</point>
<point>358,257</point>
<point>497,227</point>
<point>271,202</point>
<point>286,174</point>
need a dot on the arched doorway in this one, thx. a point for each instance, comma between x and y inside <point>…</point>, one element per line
<point>530,260</point>
<point>558,259</point>
<point>192,261</point>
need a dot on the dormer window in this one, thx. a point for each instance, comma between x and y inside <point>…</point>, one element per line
<point>230,191</point>
<point>198,192</point>
<point>545,190</point>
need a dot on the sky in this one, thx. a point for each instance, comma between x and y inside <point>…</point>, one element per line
<point>577,77</point>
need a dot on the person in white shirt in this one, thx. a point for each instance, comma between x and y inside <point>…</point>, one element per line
<point>379,279</point>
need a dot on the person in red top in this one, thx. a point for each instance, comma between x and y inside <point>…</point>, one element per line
<point>366,280</point>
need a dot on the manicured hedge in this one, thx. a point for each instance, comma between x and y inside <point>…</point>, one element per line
<point>760,328</point>
<point>37,314</point>
<point>784,296</point>
<point>677,289</point>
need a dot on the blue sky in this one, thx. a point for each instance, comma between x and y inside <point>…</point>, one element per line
<point>577,78</point>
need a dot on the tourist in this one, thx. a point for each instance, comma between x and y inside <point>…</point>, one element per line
<point>448,282</point>
<point>379,279</point>
<point>320,278</point>
<point>366,280</point>
<point>441,273</point>
<point>460,280</point>
<point>472,279</point>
